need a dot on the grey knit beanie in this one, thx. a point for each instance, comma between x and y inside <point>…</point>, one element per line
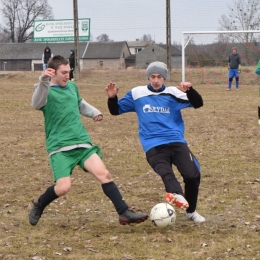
<point>157,67</point>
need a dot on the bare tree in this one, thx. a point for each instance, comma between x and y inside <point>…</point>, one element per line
<point>103,38</point>
<point>4,35</point>
<point>19,16</point>
<point>177,45</point>
<point>146,38</point>
<point>224,38</point>
<point>189,39</point>
<point>243,15</point>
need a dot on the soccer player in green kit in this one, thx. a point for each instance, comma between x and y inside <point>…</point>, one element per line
<point>68,143</point>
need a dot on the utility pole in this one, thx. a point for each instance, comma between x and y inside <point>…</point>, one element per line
<point>168,37</point>
<point>76,40</point>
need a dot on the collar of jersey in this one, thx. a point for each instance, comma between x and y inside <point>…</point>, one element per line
<point>57,86</point>
<point>153,90</point>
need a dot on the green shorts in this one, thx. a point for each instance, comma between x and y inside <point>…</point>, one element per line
<point>62,163</point>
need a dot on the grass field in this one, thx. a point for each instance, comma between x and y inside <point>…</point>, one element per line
<point>223,134</point>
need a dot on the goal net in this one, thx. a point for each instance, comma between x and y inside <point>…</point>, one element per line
<point>205,55</point>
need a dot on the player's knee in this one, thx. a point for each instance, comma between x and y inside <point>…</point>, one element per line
<point>237,79</point>
<point>106,176</point>
<point>194,179</point>
<point>167,177</point>
<point>230,79</point>
<point>62,189</point>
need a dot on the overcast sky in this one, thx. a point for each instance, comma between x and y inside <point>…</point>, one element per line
<point>130,19</point>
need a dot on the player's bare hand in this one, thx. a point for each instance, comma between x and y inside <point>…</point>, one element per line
<point>98,118</point>
<point>49,73</point>
<point>184,86</point>
<point>111,90</point>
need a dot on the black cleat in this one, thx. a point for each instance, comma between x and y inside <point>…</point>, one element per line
<point>131,217</point>
<point>35,213</point>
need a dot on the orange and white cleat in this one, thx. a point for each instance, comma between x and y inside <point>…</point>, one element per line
<point>177,200</point>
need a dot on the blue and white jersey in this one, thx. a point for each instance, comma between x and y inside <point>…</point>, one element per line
<point>159,114</point>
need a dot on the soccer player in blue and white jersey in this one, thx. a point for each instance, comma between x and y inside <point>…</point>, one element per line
<point>161,133</point>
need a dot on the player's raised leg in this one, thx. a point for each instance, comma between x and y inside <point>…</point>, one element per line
<point>96,167</point>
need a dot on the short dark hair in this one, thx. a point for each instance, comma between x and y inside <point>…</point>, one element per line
<point>56,61</point>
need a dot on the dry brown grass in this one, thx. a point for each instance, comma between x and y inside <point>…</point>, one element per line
<point>223,134</point>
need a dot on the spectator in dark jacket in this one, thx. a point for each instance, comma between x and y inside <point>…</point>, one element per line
<point>72,64</point>
<point>47,54</point>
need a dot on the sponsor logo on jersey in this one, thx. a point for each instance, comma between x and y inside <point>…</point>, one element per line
<point>151,109</point>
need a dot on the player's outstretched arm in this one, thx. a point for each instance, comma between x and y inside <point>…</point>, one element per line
<point>112,90</point>
<point>184,86</point>
<point>112,102</point>
<point>39,97</point>
<point>194,97</point>
<point>98,118</point>
<point>89,111</point>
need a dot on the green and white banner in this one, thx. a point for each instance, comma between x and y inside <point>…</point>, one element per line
<point>60,30</point>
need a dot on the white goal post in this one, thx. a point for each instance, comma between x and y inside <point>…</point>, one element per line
<point>188,35</point>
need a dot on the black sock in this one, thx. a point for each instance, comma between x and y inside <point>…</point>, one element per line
<point>258,112</point>
<point>48,196</point>
<point>112,192</point>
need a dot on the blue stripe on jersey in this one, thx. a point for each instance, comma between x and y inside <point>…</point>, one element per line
<point>159,114</point>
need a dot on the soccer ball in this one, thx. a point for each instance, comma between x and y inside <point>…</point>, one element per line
<point>162,215</point>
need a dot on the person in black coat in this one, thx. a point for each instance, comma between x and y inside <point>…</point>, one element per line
<point>72,64</point>
<point>47,54</point>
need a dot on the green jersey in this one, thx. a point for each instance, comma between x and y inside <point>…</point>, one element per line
<point>63,125</point>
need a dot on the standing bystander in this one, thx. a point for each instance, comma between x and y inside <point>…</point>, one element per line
<point>46,56</point>
<point>234,68</point>
<point>257,71</point>
<point>72,64</point>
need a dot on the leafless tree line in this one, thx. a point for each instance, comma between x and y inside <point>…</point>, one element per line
<point>19,16</point>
